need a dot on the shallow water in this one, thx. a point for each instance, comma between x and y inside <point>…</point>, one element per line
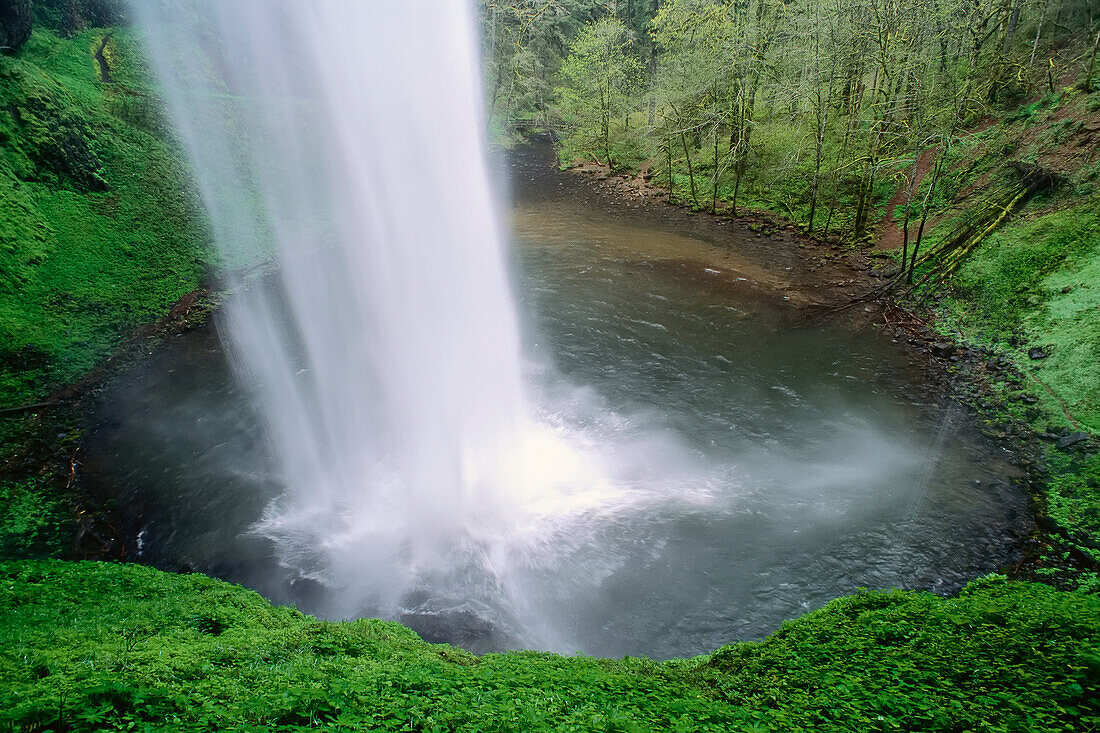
<point>750,470</point>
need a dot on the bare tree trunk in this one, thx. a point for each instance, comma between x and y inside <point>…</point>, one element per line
<point>671,180</point>
<point>717,172</point>
<point>869,161</point>
<point>1092,64</point>
<point>605,124</point>
<point>1038,32</point>
<point>819,149</point>
<point>917,152</point>
<point>653,74</point>
<point>924,213</point>
<point>691,172</point>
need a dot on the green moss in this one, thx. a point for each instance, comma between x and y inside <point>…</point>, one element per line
<point>1007,278</point>
<point>120,647</point>
<point>100,230</point>
<point>1073,498</point>
<point>998,657</point>
<point>1070,320</point>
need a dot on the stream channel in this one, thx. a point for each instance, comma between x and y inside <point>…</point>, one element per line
<point>782,465</point>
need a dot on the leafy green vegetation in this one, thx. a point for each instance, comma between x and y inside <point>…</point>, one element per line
<point>907,661</point>
<point>91,646</point>
<point>34,519</point>
<point>99,227</point>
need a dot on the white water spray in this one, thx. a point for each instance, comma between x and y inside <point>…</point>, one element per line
<point>385,350</point>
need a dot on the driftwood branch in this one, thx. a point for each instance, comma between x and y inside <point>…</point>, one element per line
<point>28,408</point>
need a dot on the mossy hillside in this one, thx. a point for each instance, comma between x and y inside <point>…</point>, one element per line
<point>1032,284</point>
<point>122,647</point>
<point>99,226</point>
<point>918,662</point>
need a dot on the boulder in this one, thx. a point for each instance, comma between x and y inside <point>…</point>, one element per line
<point>1068,441</point>
<point>16,22</point>
<point>943,349</point>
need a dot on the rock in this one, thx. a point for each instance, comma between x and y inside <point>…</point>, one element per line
<point>943,349</point>
<point>1072,439</point>
<point>1030,399</point>
<point>461,628</point>
<point>1036,352</point>
<point>16,21</point>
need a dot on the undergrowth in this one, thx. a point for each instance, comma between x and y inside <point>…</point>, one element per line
<point>93,646</point>
<point>100,230</point>
<point>1030,293</point>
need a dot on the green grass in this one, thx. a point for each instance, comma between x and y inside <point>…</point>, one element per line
<point>100,230</point>
<point>123,647</point>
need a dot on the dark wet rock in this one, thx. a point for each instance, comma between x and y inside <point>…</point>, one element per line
<point>1068,441</point>
<point>1036,352</point>
<point>16,21</point>
<point>943,349</point>
<point>1029,399</point>
<point>460,628</point>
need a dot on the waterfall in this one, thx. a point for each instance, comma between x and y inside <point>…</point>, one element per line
<point>338,149</point>
<point>424,467</point>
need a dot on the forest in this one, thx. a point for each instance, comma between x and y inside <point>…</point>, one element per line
<point>806,318</point>
<point>816,111</point>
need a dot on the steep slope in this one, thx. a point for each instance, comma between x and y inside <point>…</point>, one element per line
<point>99,227</point>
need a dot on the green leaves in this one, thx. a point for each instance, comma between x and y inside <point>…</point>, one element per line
<point>600,75</point>
<point>1000,656</point>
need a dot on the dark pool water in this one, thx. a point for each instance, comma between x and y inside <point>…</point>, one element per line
<point>806,467</point>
